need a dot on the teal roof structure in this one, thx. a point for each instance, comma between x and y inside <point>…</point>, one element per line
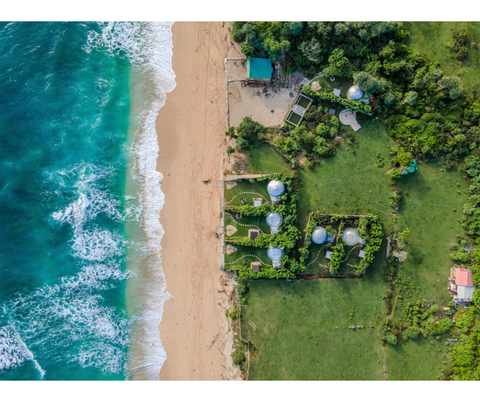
<point>259,69</point>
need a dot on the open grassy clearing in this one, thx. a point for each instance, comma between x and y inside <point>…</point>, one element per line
<point>433,222</point>
<point>432,206</point>
<point>297,337</point>
<point>350,182</point>
<point>265,159</point>
<point>431,39</point>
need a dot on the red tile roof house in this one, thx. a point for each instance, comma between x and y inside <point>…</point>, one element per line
<point>465,286</point>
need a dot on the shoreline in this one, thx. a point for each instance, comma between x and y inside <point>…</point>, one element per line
<point>190,127</point>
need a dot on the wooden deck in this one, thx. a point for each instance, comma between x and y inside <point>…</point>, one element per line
<point>229,177</point>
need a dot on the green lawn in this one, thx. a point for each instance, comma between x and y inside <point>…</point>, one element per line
<point>433,223</point>
<point>239,256</point>
<point>234,196</point>
<point>350,182</point>
<point>431,39</point>
<point>250,222</point>
<point>296,334</point>
<point>265,159</point>
<point>339,83</point>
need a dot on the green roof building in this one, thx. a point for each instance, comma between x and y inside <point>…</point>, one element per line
<point>259,69</point>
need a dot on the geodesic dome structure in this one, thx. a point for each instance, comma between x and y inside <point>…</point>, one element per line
<point>351,237</point>
<point>275,254</point>
<point>319,235</point>
<point>355,93</point>
<point>275,188</point>
<point>274,220</point>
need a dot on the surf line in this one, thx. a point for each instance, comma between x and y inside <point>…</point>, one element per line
<point>28,352</point>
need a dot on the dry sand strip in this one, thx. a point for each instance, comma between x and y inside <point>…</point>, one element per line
<point>191,131</point>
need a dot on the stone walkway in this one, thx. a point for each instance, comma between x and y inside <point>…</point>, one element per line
<point>348,118</point>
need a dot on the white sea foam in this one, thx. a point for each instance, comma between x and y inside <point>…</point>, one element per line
<point>68,319</point>
<point>96,244</point>
<point>13,351</point>
<point>149,47</point>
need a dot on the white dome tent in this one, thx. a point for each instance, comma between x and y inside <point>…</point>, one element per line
<point>351,237</point>
<point>355,93</point>
<point>275,254</point>
<point>275,188</point>
<point>319,235</point>
<point>274,220</point>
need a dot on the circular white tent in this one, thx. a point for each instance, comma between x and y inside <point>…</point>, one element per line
<point>355,93</point>
<point>319,235</point>
<point>351,237</point>
<point>275,188</point>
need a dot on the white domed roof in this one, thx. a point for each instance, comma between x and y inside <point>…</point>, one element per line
<point>351,237</point>
<point>275,253</point>
<point>355,93</point>
<point>274,219</point>
<point>275,188</point>
<point>319,235</point>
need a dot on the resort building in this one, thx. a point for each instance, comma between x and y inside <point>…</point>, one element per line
<point>464,284</point>
<point>259,70</point>
<point>319,235</point>
<point>255,266</point>
<point>274,220</point>
<point>275,254</point>
<point>351,237</point>
<point>275,188</point>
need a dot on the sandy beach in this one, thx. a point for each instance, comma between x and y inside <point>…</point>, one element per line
<point>191,135</point>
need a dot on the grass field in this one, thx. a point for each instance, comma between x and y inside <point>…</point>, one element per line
<point>296,334</point>
<point>265,159</point>
<point>431,39</point>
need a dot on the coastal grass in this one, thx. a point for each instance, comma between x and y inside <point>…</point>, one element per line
<point>431,39</point>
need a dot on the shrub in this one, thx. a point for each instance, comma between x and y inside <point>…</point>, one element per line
<point>412,332</point>
<point>387,336</point>
<point>434,308</point>
<point>437,329</point>
<point>242,287</point>
<point>238,357</point>
<point>464,320</point>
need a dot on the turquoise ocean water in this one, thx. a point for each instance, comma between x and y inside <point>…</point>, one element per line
<point>81,285</point>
